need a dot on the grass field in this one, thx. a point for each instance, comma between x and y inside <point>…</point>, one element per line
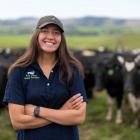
<point>95,127</point>
<point>14,41</point>
<point>123,40</point>
<point>6,131</point>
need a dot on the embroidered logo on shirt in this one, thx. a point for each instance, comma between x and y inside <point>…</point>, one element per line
<point>31,75</point>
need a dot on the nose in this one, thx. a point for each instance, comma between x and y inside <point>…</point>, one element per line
<point>50,35</point>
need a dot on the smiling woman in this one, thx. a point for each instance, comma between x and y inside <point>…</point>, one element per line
<point>45,87</point>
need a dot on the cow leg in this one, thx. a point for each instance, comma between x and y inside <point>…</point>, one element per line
<point>90,92</point>
<point>110,108</point>
<point>136,123</point>
<point>132,102</point>
<point>119,116</point>
<point>135,106</point>
<point>119,110</point>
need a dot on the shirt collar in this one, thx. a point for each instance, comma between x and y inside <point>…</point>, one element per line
<point>36,66</point>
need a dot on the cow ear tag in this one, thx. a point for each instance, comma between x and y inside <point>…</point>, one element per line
<point>110,72</point>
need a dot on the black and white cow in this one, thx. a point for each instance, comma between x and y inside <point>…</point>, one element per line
<point>109,76</point>
<point>7,57</point>
<point>131,71</point>
<point>87,58</point>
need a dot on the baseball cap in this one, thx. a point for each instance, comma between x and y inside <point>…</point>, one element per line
<point>49,20</point>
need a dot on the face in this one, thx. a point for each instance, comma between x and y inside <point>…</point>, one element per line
<point>49,39</point>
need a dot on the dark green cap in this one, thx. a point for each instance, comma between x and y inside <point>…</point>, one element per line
<point>49,20</point>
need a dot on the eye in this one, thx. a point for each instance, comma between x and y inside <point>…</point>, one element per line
<point>56,33</point>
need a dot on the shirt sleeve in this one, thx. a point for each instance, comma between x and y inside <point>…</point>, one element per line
<point>14,92</point>
<point>78,85</point>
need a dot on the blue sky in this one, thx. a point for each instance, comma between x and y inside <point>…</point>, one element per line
<point>70,8</point>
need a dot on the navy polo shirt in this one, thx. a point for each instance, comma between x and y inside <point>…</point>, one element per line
<point>30,86</point>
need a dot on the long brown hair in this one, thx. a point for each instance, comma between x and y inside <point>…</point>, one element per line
<point>66,60</point>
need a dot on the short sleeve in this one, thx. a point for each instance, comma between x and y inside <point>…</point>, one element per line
<point>14,92</point>
<point>78,85</point>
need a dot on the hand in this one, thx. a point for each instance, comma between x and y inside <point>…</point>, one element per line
<point>29,109</point>
<point>74,102</point>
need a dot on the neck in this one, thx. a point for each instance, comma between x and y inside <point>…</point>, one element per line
<point>47,59</point>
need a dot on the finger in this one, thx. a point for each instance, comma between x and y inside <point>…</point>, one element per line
<point>74,97</point>
<point>79,99</point>
<point>77,104</point>
<point>77,107</point>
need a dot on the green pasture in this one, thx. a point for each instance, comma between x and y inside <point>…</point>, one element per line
<point>106,30</point>
<point>128,41</point>
<point>14,41</point>
<point>6,131</point>
<point>95,127</point>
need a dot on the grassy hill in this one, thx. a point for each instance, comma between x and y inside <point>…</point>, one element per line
<point>83,32</point>
<point>88,25</point>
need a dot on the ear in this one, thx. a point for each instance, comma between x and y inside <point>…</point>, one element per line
<point>120,59</point>
<point>137,59</point>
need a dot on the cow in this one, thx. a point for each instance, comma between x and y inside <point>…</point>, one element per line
<point>87,58</point>
<point>3,81</point>
<point>109,76</point>
<point>131,72</point>
<point>7,57</point>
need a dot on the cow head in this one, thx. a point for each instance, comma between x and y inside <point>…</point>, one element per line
<point>108,71</point>
<point>131,71</point>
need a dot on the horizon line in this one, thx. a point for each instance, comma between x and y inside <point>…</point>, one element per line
<point>71,17</point>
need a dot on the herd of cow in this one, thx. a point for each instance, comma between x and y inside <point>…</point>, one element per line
<point>118,72</point>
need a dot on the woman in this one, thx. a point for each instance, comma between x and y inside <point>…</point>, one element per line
<point>45,91</point>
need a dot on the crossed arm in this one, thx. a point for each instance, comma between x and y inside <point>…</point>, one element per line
<point>72,112</point>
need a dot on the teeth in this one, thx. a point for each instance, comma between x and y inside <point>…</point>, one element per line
<point>49,43</point>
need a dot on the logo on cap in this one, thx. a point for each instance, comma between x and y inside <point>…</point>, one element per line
<point>53,18</point>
